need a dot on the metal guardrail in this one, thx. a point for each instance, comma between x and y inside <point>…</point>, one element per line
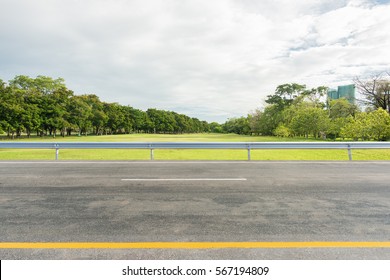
<point>196,145</point>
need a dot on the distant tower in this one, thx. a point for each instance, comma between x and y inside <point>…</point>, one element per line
<point>347,92</point>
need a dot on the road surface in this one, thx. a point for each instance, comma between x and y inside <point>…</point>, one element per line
<point>203,202</point>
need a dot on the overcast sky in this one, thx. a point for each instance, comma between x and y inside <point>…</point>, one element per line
<point>210,59</point>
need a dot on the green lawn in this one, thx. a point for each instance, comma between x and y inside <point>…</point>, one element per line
<point>200,137</point>
<point>106,154</point>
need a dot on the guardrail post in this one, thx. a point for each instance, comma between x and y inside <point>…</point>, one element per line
<point>57,150</point>
<point>151,152</point>
<point>249,152</point>
<point>349,152</point>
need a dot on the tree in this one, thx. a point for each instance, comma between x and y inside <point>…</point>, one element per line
<point>98,117</point>
<point>43,102</point>
<point>373,125</point>
<point>285,94</point>
<point>269,120</point>
<point>115,117</point>
<point>147,124</point>
<point>81,113</point>
<point>216,127</point>
<point>56,111</point>
<point>3,93</point>
<point>156,120</point>
<point>310,121</point>
<point>282,131</point>
<point>283,105</point>
<point>335,127</point>
<point>196,125</point>
<point>127,124</point>
<point>376,91</point>
<point>339,112</point>
<point>353,127</point>
<point>31,117</point>
<point>315,95</point>
<point>182,123</point>
<point>341,108</point>
<point>254,121</point>
<point>237,125</point>
<point>11,111</point>
<point>379,125</point>
<point>138,117</point>
<point>47,106</point>
<point>43,84</point>
<point>48,85</point>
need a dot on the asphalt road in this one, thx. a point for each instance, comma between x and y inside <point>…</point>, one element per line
<point>194,201</point>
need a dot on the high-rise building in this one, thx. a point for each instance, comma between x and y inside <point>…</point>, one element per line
<point>347,92</point>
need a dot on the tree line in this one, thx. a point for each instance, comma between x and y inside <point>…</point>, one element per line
<point>45,106</point>
<point>294,110</point>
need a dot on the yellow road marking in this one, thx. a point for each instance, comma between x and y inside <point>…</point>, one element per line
<point>192,245</point>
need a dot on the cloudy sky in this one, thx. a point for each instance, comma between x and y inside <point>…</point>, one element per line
<point>208,59</point>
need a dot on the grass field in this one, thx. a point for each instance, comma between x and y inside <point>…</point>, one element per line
<point>200,137</point>
<point>103,154</point>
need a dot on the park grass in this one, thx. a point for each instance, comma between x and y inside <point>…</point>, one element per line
<point>176,154</point>
<point>196,137</point>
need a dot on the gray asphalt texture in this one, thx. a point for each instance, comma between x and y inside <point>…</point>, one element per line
<point>278,201</point>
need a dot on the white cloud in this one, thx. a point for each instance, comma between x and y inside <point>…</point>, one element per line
<point>208,59</point>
